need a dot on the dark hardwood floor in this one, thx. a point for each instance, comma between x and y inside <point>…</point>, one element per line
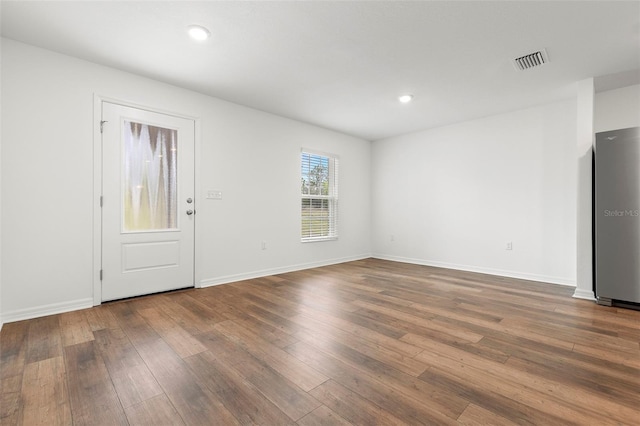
<point>367,342</point>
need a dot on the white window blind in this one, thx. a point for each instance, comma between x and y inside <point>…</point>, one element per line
<point>319,196</point>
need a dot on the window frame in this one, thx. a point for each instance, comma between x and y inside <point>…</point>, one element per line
<point>331,197</point>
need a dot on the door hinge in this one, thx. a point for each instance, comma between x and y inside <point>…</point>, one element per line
<point>102,125</point>
<point>101,201</point>
<point>100,274</point>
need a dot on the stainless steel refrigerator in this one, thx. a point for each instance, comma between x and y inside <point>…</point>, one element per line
<point>617,217</point>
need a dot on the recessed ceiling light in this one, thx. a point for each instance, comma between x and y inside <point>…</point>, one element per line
<point>405,98</point>
<point>198,32</point>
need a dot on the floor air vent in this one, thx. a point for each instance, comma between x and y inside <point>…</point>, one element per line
<point>531,60</point>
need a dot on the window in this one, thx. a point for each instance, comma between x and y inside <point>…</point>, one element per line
<point>319,196</point>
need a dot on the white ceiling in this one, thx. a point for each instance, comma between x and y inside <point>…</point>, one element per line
<point>342,64</point>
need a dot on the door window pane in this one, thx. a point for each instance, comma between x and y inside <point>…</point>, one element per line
<point>150,177</point>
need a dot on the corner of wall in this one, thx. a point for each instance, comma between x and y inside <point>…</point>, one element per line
<point>584,219</point>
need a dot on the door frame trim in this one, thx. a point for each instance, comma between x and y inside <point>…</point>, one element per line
<point>97,186</point>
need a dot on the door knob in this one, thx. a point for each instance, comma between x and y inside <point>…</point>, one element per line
<point>189,200</point>
<point>190,212</point>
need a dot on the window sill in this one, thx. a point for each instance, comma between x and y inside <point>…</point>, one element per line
<point>315,240</point>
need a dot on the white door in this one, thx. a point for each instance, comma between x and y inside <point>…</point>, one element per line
<point>148,207</point>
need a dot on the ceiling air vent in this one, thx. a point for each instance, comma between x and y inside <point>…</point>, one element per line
<point>531,60</point>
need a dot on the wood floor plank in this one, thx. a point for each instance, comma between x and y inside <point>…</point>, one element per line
<point>13,348</point>
<point>193,401</point>
<point>270,303</point>
<point>524,388</point>
<point>75,328</point>
<point>223,348</point>
<point>116,349</point>
<point>218,300</point>
<point>409,321</point>
<point>322,416</point>
<point>237,394</point>
<point>101,317</point>
<point>268,332</point>
<point>11,402</point>
<point>131,377</point>
<point>500,399</point>
<point>605,315</point>
<point>93,399</point>
<point>189,313</point>
<point>627,358</point>
<point>155,411</point>
<point>569,364</point>
<point>439,399</point>
<point>406,409</point>
<point>44,339</point>
<point>364,332</point>
<point>134,326</point>
<point>267,317</point>
<point>323,335</point>
<point>351,406</point>
<point>277,300</point>
<point>577,336</point>
<point>456,317</point>
<point>453,309</point>
<point>624,392</point>
<point>295,371</point>
<point>183,343</point>
<point>283,393</point>
<point>13,354</point>
<point>426,342</point>
<point>44,393</point>
<point>478,416</point>
<point>326,298</point>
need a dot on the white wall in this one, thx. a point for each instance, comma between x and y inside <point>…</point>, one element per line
<point>253,157</point>
<point>454,196</point>
<point>617,109</point>
<point>1,318</point>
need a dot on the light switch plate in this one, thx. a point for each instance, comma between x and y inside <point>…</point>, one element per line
<point>213,194</point>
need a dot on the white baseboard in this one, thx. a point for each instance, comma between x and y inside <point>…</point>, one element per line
<point>584,294</point>
<point>481,270</point>
<point>44,310</point>
<point>281,270</point>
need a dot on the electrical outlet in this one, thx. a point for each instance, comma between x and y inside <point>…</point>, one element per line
<point>264,245</point>
<point>509,246</point>
<point>393,237</point>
